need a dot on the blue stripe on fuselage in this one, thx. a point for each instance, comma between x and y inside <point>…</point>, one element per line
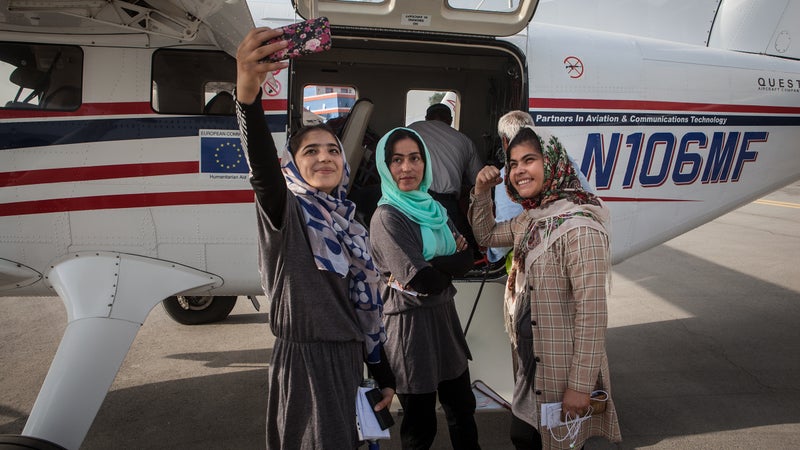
<point>660,119</point>
<point>62,132</point>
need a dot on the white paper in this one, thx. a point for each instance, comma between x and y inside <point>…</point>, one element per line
<point>367,423</point>
<point>551,415</point>
<point>394,284</point>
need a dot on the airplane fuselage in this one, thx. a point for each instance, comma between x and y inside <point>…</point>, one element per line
<point>671,136</point>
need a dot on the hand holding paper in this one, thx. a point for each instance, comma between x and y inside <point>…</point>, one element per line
<point>372,424</point>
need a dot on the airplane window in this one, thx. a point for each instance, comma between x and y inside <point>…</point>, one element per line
<point>485,5</point>
<point>193,82</point>
<point>418,101</point>
<point>323,103</point>
<point>37,76</point>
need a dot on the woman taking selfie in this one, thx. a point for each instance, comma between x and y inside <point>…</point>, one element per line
<point>555,299</point>
<point>316,270</point>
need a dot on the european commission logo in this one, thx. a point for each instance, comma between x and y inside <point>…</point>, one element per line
<point>221,152</point>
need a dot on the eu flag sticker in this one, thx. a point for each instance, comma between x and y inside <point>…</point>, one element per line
<point>221,152</point>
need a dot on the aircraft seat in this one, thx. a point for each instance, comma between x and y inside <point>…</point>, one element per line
<point>353,134</point>
<point>21,105</point>
<point>222,103</point>
<point>64,98</point>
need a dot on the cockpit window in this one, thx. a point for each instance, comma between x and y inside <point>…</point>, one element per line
<point>40,76</point>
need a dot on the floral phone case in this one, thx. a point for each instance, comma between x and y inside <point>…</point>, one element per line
<point>311,36</point>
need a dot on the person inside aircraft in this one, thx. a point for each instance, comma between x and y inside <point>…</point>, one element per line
<point>555,298</point>
<point>316,268</point>
<point>455,164</point>
<point>221,103</point>
<point>418,252</point>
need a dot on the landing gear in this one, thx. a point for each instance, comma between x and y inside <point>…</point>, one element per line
<point>199,309</point>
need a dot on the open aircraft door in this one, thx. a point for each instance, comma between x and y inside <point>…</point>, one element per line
<point>446,16</point>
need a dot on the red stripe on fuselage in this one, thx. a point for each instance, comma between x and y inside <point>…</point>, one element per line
<point>124,201</point>
<point>149,200</point>
<point>114,109</point>
<point>271,105</point>
<point>73,174</point>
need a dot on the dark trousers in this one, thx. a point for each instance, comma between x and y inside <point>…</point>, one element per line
<point>524,436</point>
<point>418,428</point>
<point>459,218</point>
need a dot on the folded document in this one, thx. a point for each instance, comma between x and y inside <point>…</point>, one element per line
<point>552,416</point>
<point>369,428</point>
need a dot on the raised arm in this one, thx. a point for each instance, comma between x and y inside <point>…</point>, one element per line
<point>262,156</point>
<point>481,212</point>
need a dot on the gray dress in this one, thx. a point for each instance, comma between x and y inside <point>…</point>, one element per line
<point>318,347</point>
<point>425,342</point>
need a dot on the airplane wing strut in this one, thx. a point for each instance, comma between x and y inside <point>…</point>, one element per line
<point>107,296</point>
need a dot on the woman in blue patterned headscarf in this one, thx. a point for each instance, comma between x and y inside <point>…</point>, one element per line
<point>316,270</point>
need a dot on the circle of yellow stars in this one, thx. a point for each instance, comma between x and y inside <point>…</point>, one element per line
<point>226,147</point>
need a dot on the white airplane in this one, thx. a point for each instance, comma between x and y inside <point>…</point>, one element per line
<point>122,179</point>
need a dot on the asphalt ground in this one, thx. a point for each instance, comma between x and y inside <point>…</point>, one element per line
<point>703,342</point>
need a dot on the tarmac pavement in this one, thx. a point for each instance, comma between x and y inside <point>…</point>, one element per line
<point>703,342</point>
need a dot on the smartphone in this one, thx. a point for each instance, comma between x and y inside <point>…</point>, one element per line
<point>385,420</point>
<point>310,36</point>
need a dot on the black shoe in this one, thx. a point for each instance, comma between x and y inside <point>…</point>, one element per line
<point>484,268</point>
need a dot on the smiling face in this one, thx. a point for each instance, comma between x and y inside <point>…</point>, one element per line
<point>407,166</point>
<point>319,160</point>
<point>526,169</point>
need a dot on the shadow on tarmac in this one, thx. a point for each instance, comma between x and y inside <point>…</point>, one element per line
<point>242,319</point>
<point>731,366</point>
<point>242,358</point>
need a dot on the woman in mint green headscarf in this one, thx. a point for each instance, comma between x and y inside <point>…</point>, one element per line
<point>418,252</point>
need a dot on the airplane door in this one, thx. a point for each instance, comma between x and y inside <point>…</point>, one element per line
<point>485,18</point>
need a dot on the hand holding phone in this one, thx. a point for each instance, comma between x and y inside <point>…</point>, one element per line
<point>385,420</point>
<point>310,36</point>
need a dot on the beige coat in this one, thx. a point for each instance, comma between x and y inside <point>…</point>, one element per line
<point>565,283</point>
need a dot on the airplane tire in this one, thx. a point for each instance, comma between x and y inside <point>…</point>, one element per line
<point>199,309</point>
<point>15,442</point>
